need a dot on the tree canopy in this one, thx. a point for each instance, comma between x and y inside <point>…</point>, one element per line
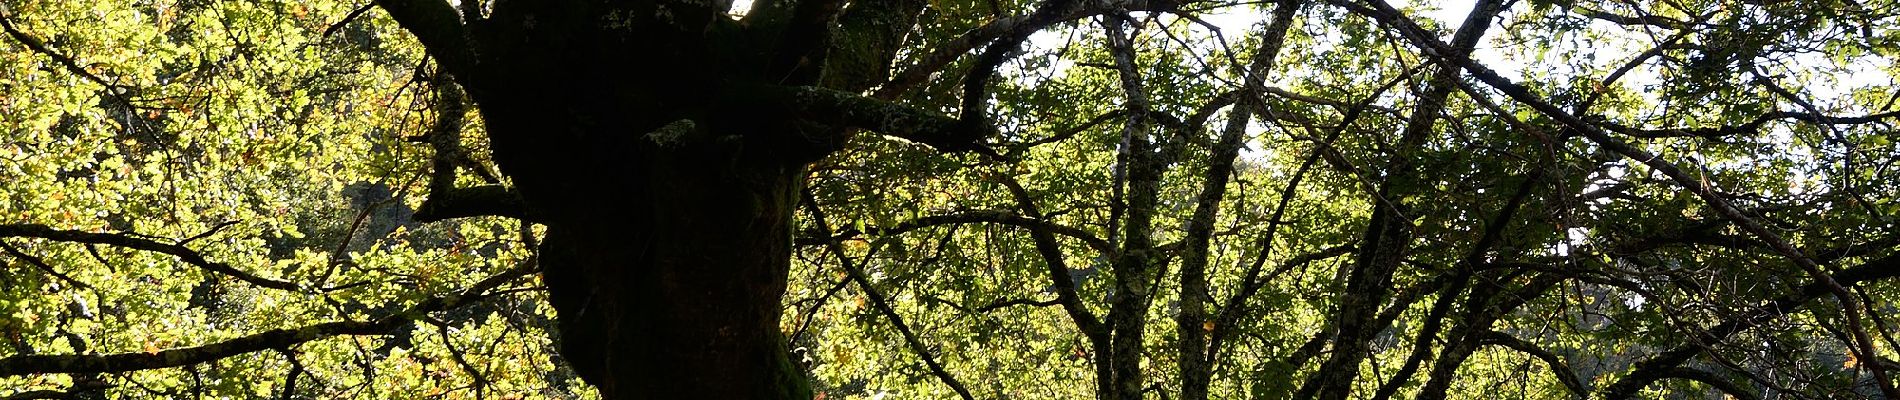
<point>987,199</point>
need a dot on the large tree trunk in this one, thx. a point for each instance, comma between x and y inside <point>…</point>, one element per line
<point>673,292</point>
<point>667,247</point>
<point>663,144</point>
<point>668,203</point>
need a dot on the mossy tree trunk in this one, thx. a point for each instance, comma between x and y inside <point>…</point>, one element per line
<point>663,146</point>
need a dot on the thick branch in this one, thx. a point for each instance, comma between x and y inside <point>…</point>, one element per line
<point>869,35</point>
<point>835,107</point>
<point>445,200</point>
<point>801,49</point>
<point>1196,368</point>
<point>1060,279</point>
<point>975,105</point>
<point>439,27</point>
<point>485,200</point>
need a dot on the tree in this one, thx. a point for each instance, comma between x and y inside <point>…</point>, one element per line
<point>1651,194</point>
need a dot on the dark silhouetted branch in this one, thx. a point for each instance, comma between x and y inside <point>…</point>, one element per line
<point>1557,366</point>
<point>183,253</point>
<point>273,339</point>
<point>1708,378</point>
<point>438,26</point>
<point>879,301</point>
<point>485,200</point>
<point>835,107</point>
<point>971,217</point>
<point>42,265</point>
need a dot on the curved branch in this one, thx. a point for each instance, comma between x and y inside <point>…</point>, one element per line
<point>1001,31</point>
<point>975,107</point>
<point>272,339</point>
<point>1557,366</point>
<point>969,217</point>
<point>1052,256</point>
<point>183,253</point>
<point>1708,378</point>
<point>439,27</point>
<point>1659,367</point>
<point>122,362</point>
<point>880,301</point>
<point>1750,127</point>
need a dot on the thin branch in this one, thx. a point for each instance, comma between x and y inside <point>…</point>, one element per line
<point>273,339</point>
<point>37,46</point>
<point>1556,365</point>
<point>1748,128</point>
<point>878,300</point>
<point>1650,370</point>
<point>207,233</point>
<point>1619,19</point>
<point>1253,282</point>
<point>1001,304</point>
<point>42,265</point>
<point>1733,390</point>
<point>347,18</point>
<point>1002,31</point>
<point>43,395</point>
<point>969,217</point>
<point>1057,265</point>
<point>183,253</point>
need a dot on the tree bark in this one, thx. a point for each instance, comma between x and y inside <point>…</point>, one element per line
<point>1388,236</point>
<point>674,292</point>
<point>663,145</point>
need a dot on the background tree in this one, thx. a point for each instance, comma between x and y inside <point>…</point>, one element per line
<point>1051,199</point>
